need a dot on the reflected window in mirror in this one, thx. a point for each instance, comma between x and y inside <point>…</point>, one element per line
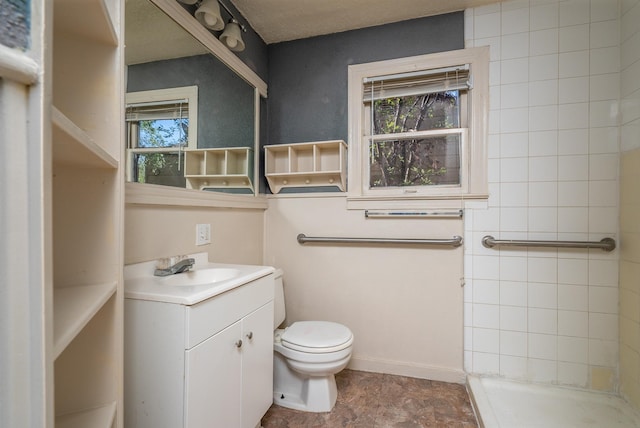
<point>160,124</point>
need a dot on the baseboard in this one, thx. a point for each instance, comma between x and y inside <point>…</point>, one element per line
<point>401,368</point>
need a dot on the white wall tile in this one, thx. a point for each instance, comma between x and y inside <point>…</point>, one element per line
<point>486,340</point>
<point>573,323</point>
<point>544,219</point>
<point>603,220</point>
<point>544,67</point>
<point>544,168</point>
<point>542,346</point>
<point>604,87</point>
<point>514,145</point>
<point>514,120</point>
<point>574,12</point>
<point>515,21</point>
<point>573,374</point>
<point>603,193</point>
<point>573,38</point>
<point>573,271</point>
<point>513,367</point>
<point>573,168</point>
<point>604,34</point>
<point>603,140</point>
<point>514,95</point>
<point>486,316</point>
<point>513,343</point>
<point>544,321</point>
<point>604,60</point>
<point>603,352</point>
<point>543,269</point>
<point>514,46</point>
<point>513,268</point>
<point>486,25</point>
<point>542,371</point>
<point>513,318</point>
<point>573,349</point>
<point>514,170</point>
<point>603,299</point>
<point>573,193</point>
<point>603,10</point>
<point>572,116</point>
<point>513,293</point>
<point>543,194</point>
<point>484,363</point>
<point>543,143</point>
<point>603,113</point>
<point>486,220</point>
<point>543,42</point>
<point>543,16</point>
<point>573,219</point>
<point>573,64</point>
<point>543,295</point>
<point>486,267</point>
<point>543,118</point>
<point>514,71</point>
<point>543,92</point>
<point>573,142</point>
<point>603,167</point>
<point>573,90</point>
<point>485,291</point>
<point>513,195</point>
<point>573,297</point>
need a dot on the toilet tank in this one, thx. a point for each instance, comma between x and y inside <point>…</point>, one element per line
<point>278,299</point>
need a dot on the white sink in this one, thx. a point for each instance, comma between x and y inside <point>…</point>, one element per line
<point>203,281</point>
<point>199,277</point>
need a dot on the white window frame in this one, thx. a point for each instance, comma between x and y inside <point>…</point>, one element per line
<point>168,95</point>
<point>473,151</point>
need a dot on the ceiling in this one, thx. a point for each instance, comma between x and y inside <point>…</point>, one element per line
<point>282,20</point>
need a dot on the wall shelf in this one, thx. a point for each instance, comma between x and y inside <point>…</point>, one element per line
<point>102,417</point>
<point>321,163</point>
<point>73,308</point>
<point>73,146</point>
<point>218,168</point>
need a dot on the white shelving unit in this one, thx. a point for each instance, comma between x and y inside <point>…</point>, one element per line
<point>320,163</point>
<point>218,168</point>
<point>86,211</point>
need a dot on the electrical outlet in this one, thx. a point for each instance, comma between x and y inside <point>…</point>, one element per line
<point>203,234</point>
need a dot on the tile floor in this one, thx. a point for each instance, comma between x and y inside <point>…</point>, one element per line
<point>375,400</point>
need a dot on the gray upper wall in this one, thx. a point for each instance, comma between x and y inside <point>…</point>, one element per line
<point>308,77</point>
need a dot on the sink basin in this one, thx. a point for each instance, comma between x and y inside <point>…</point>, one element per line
<point>199,277</point>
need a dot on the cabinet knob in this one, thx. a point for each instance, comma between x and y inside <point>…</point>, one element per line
<point>285,182</point>
<point>239,344</point>
<point>250,335</point>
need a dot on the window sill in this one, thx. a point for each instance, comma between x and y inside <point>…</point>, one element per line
<point>412,202</point>
<point>150,194</point>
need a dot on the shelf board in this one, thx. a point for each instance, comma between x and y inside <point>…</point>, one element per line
<point>73,146</point>
<point>87,18</point>
<point>101,417</point>
<point>73,308</point>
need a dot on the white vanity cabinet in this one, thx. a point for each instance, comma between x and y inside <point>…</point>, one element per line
<point>205,365</point>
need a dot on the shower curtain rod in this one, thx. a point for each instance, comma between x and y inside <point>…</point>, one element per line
<point>456,241</point>
<point>605,244</point>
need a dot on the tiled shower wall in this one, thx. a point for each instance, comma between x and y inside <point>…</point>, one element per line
<point>547,315</point>
<point>630,202</point>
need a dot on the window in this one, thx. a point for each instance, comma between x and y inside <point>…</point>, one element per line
<point>160,124</point>
<point>418,128</point>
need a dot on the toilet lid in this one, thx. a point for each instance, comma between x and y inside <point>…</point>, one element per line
<point>317,336</point>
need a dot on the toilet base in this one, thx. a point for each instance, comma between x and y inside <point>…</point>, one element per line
<point>309,394</point>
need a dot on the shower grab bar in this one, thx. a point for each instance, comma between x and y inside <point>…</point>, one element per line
<point>456,241</point>
<point>605,244</point>
<point>413,214</point>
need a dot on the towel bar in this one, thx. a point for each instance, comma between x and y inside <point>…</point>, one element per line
<point>606,244</point>
<point>456,241</point>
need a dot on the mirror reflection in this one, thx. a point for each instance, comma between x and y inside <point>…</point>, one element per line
<point>190,119</point>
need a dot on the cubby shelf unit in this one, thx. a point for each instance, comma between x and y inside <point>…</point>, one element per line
<point>218,168</point>
<point>312,164</point>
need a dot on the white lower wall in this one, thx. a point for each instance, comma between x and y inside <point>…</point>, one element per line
<point>403,303</point>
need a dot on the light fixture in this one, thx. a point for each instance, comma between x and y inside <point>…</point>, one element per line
<point>232,36</point>
<point>188,1</point>
<point>208,14</point>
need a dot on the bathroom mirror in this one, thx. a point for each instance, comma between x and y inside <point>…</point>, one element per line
<point>165,62</point>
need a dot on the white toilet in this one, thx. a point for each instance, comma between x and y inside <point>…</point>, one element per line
<point>307,355</point>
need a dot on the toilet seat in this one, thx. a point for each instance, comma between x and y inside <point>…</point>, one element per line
<point>316,337</point>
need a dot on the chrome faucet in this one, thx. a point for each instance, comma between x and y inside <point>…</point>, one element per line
<point>179,267</point>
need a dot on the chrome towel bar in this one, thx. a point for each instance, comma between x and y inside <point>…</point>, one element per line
<point>606,244</point>
<point>456,241</point>
<point>413,214</point>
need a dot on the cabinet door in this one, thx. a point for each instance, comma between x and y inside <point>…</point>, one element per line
<point>257,365</point>
<point>212,390</point>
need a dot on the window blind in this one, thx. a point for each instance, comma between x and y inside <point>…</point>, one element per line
<point>175,109</point>
<point>418,82</point>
